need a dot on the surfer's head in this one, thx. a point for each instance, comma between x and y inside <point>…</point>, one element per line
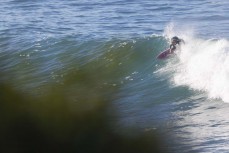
<point>175,40</point>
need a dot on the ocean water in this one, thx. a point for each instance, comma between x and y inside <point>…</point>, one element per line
<point>186,95</point>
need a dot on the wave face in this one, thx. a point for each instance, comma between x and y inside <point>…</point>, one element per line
<point>49,60</point>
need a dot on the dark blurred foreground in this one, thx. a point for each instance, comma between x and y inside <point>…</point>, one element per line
<point>74,116</point>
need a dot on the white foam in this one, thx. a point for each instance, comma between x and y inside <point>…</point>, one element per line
<point>203,65</point>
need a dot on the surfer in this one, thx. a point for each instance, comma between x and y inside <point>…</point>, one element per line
<point>174,46</point>
<point>175,43</point>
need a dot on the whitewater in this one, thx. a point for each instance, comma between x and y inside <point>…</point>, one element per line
<point>202,64</point>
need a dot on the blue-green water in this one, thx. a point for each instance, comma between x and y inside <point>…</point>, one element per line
<point>41,42</point>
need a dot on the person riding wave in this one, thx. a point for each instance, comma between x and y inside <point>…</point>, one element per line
<point>175,43</point>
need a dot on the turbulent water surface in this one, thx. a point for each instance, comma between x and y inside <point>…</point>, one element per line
<point>186,95</point>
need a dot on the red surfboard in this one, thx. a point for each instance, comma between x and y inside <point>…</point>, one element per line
<point>165,54</point>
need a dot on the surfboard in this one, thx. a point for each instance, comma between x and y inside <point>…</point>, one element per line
<point>166,53</point>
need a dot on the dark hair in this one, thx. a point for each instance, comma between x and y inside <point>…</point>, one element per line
<point>176,39</point>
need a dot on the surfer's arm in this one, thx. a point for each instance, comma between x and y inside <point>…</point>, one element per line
<point>172,48</point>
<point>182,41</point>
